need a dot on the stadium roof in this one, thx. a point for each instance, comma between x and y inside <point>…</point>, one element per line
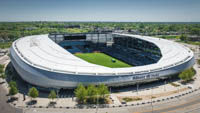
<point>41,52</point>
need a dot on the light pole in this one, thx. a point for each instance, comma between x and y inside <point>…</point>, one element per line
<point>165,85</point>
<point>178,92</point>
<point>97,103</point>
<point>151,99</point>
<point>137,88</point>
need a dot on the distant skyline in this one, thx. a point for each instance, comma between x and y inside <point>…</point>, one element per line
<point>101,10</point>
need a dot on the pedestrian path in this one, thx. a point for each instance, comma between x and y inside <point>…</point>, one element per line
<point>115,100</point>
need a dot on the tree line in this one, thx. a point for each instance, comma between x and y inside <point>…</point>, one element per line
<point>12,30</point>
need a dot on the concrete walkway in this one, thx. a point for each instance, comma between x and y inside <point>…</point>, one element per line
<point>115,100</point>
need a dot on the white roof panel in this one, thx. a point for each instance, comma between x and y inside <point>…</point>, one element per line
<point>46,54</point>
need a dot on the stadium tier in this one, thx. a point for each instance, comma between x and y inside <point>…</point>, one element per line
<point>48,60</point>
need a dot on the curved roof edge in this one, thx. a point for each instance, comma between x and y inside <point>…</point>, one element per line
<point>41,52</point>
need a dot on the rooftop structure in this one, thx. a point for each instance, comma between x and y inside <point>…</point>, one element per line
<point>38,57</point>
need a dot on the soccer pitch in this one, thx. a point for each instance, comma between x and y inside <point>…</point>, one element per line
<point>102,59</point>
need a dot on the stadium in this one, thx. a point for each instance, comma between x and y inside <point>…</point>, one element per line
<point>65,60</point>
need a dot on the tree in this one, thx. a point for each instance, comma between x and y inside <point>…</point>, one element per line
<point>52,95</point>
<point>13,90</point>
<point>92,93</point>
<point>12,83</point>
<point>195,31</point>
<point>103,90</point>
<point>33,92</point>
<point>184,38</point>
<point>187,75</point>
<point>81,93</point>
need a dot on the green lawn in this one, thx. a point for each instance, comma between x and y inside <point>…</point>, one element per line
<point>191,42</point>
<point>102,59</point>
<point>169,36</point>
<point>5,45</point>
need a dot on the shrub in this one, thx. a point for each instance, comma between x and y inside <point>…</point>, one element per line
<point>1,68</point>
<point>137,99</point>
<point>198,61</point>
<point>187,74</point>
<point>3,76</point>
<point>173,84</point>
<point>127,99</point>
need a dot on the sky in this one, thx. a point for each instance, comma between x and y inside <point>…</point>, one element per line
<point>101,10</point>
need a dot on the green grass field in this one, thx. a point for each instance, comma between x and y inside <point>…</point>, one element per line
<point>102,59</point>
<point>5,45</point>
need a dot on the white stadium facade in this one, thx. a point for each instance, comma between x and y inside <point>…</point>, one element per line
<point>47,61</point>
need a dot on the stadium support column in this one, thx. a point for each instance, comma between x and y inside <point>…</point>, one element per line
<point>98,39</point>
<point>127,42</point>
<point>92,38</point>
<point>56,38</point>
<point>106,37</point>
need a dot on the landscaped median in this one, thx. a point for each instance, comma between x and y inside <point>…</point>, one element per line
<point>142,97</point>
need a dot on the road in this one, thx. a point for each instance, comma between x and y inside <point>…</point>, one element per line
<point>189,104</point>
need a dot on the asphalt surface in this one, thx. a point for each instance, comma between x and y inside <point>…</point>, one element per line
<point>180,108</point>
